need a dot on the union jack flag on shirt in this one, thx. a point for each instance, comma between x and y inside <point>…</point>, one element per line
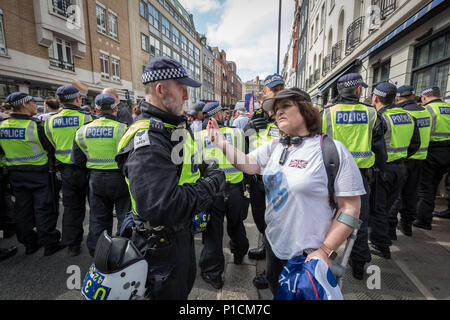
<point>300,164</point>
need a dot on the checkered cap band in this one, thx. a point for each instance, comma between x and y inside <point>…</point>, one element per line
<point>405,93</point>
<point>23,100</point>
<point>350,83</point>
<point>163,74</point>
<point>273,79</point>
<point>70,96</point>
<point>428,90</point>
<point>380,93</point>
<point>215,110</point>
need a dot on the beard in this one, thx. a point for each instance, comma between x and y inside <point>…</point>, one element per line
<point>172,105</point>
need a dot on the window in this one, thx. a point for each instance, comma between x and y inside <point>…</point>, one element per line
<point>144,42</point>
<point>153,16</point>
<point>322,17</point>
<point>104,65</point>
<point>184,42</point>
<point>176,56</point>
<point>197,54</point>
<point>191,49</point>
<point>2,37</point>
<point>432,63</point>
<point>143,9</point>
<point>381,73</point>
<point>115,69</point>
<point>60,7</point>
<point>175,35</point>
<point>317,27</point>
<point>166,51</point>
<point>60,55</point>
<point>113,25</point>
<point>184,63</point>
<point>165,26</point>
<point>155,47</point>
<point>101,19</point>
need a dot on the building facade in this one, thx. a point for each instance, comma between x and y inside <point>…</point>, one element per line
<point>46,44</point>
<point>404,42</point>
<point>256,85</point>
<point>208,71</point>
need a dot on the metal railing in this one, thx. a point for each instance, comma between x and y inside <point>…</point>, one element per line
<point>336,53</point>
<point>64,65</point>
<point>354,32</point>
<point>386,7</point>
<point>326,65</point>
<point>60,7</point>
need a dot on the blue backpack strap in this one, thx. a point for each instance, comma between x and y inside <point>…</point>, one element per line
<point>331,162</point>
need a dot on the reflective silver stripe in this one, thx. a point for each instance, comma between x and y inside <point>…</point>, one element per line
<point>329,122</point>
<point>87,119</point>
<point>230,170</point>
<point>422,150</point>
<point>80,139</point>
<point>397,150</point>
<point>361,154</point>
<point>121,131</point>
<point>63,152</point>
<point>49,133</point>
<point>93,160</point>
<point>372,119</point>
<point>434,118</point>
<point>33,157</point>
<point>32,139</point>
<point>388,131</point>
<point>441,134</point>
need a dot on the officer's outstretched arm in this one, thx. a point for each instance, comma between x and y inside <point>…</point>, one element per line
<point>241,161</point>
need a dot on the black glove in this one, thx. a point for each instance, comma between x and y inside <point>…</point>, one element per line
<point>257,124</point>
<point>215,179</point>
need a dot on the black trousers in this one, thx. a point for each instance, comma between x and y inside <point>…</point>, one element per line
<point>274,266</point>
<point>406,203</point>
<point>434,167</point>
<point>172,277</point>
<point>361,252</point>
<point>33,208</point>
<point>74,188</point>
<point>212,260</point>
<point>388,185</point>
<point>107,190</point>
<point>258,201</point>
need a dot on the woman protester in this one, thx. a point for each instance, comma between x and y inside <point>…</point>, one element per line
<point>298,213</point>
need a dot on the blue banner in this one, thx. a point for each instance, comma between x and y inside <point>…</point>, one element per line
<point>249,102</point>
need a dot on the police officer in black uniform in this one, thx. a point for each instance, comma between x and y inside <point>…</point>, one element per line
<point>158,181</point>
<point>27,159</point>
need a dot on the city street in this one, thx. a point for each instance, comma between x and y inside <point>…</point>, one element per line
<point>418,270</point>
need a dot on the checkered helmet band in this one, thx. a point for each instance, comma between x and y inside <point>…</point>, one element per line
<point>163,74</point>
<point>70,96</point>
<point>23,100</point>
<point>428,90</point>
<point>215,110</point>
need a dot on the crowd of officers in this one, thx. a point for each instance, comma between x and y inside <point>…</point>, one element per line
<point>401,147</point>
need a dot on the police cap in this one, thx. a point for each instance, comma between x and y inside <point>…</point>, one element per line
<point>273,80</point>
<point>405,91</point>
<point>166,69</point>
<point>105,100</point>
<point>198,107</point>
<point>269,104</point>
<point>385,90</point>
<point>351,80</point>
<point>211,108</point>
<point>430,89</point>
<point>17,98</point>
<point>68,92</point>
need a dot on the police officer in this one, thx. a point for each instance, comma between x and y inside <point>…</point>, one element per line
<point>95,148</point>
<point>402,140</point>
<point>27,152</point>
<point>260,129</point>
<point>158,156</point>
<point>357,126</point>
<point>198,117</point>
<point>60,129</point>
<point>437,162</point>
<point>407,202</point>
<point>229,204</point>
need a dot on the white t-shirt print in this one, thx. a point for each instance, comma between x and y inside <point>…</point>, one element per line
<point>298,214</point>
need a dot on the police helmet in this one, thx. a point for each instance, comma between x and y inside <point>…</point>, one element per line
<point>200,221</point>
<point>119,271</point>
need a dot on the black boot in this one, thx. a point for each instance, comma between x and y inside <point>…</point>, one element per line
<point>257,253</point>
<point>6,253</point>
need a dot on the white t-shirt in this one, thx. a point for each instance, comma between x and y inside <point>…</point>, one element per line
<point>298,214</point>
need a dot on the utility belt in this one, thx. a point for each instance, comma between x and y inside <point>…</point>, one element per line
<point>397,162</point>
<point>154,241</point>
<point>437,144</point>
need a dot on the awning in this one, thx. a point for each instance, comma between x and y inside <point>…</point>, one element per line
<point>403,26</point>
<point>333,80</point>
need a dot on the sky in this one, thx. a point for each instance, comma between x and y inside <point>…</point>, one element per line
<point>247,30</point>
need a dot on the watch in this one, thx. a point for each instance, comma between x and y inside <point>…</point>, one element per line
<point>329,252</point>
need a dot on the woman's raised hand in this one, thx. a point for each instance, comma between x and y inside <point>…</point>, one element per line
<point>215,135</point>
